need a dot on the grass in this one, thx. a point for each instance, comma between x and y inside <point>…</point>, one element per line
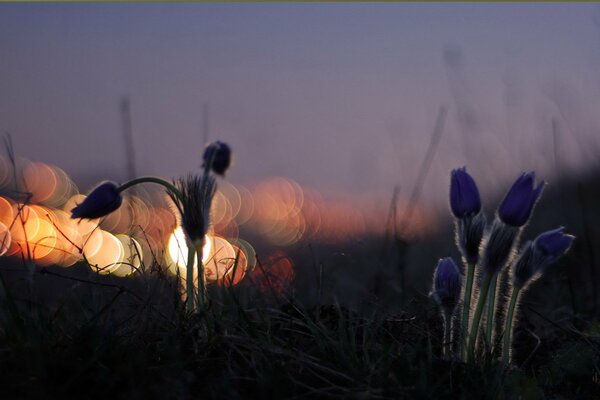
<point>83,335</point>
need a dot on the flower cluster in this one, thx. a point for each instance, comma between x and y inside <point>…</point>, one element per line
<point>487,250</point>
<point>192,197</point>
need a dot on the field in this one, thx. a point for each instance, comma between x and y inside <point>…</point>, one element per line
<point>352,319</point>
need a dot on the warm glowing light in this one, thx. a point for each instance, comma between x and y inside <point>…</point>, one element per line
<point>233,196</point>
<point>108,257</point>
<point>5,239</point>
<point>44,241</point>
<point>40,180</point>
<point>132,256</point>
<point>26,224</point>
<point>92,243</point>
<point>221,258</point>
<point>7,214</point>
<point>178,252</point>
<point>236,269</point>
<point>246,207</point>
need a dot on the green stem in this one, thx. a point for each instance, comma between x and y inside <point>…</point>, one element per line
<point>508,326</point>
<point>485,287</point>
<point>151,179</point>
<point>199,244</point>
<point>491,313</point>
<point>189,280</point>
<point>467,308</point>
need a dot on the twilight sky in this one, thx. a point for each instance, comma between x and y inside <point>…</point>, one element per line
<point>341,97</point>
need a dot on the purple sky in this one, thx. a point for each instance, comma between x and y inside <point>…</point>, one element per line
<point>342,97</point>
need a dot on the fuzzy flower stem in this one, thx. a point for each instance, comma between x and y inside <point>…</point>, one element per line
<point>199,245</point>
<point>189,280</point>
<point>151,179</point>
<point>491,312</point>
<point>467,307</point>
<point>483,294</point>
<point>446,345</point>
<point>508,325</point>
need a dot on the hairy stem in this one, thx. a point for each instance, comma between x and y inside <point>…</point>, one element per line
<point>485,287</point>
<point>467,308</point>
<point>508,326</point>
<point>199,244</point>
<point>491,313</point>
<point>447,344</point>
<point>189,279</point>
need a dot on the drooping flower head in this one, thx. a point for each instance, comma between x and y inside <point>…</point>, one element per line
<point>219,154</point>
<point>518,203</point>
<point>464,195</point>
<point>447,283</point>
<point>537,255</point>
<point>101,201</point>
<point>194,206</point>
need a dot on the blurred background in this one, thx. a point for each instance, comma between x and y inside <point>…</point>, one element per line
<point>329,108</point>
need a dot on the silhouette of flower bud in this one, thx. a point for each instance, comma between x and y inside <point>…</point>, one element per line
<point>464,195</point>
<point>498,246</point>
<point>447,283</point>
<point>537,255</point>
<point>469,232</point>
<point>220,153</point>
<point>103,200</point>
<point>552,245</point>
<point>518,203</point>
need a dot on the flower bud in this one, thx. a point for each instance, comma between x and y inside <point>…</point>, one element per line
<point>464,195</point>
<point>498,246</point>
<point>447,283</point>
<point>469,232</point>
<point>537,255</point>
<point>518,203</point>
<point>103,200</point>
<point>219,155</point>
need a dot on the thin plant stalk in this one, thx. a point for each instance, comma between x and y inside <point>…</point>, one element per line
<point>508,326</point>
<point>199,245</point>
<point>483,294</point>
<point>447,344</point>
<point>491,312</point>
<point>151,179</point>
<point>189,280</point>
<point>467,307</point>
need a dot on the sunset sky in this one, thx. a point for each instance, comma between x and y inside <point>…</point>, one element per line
<point>340,97</point>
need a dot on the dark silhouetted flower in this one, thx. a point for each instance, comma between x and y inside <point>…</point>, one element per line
<point>469,232</point>
<point>447,283</point>
<point>194,206</point>
<point>220,153</point>
<point>553,244</point>
<point>498,248</point>
<point>537,255</point>
<point>518,203</point>
<point>464,195</point>
<point>103,200</point>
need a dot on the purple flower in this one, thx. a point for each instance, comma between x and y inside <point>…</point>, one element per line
<point>537,255</point>
<point>464,195</point>
<point>551,245</point>
<point>220,153</point>
<point>518,203</point>
<point>103,200</point>
<point>447,285</point>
